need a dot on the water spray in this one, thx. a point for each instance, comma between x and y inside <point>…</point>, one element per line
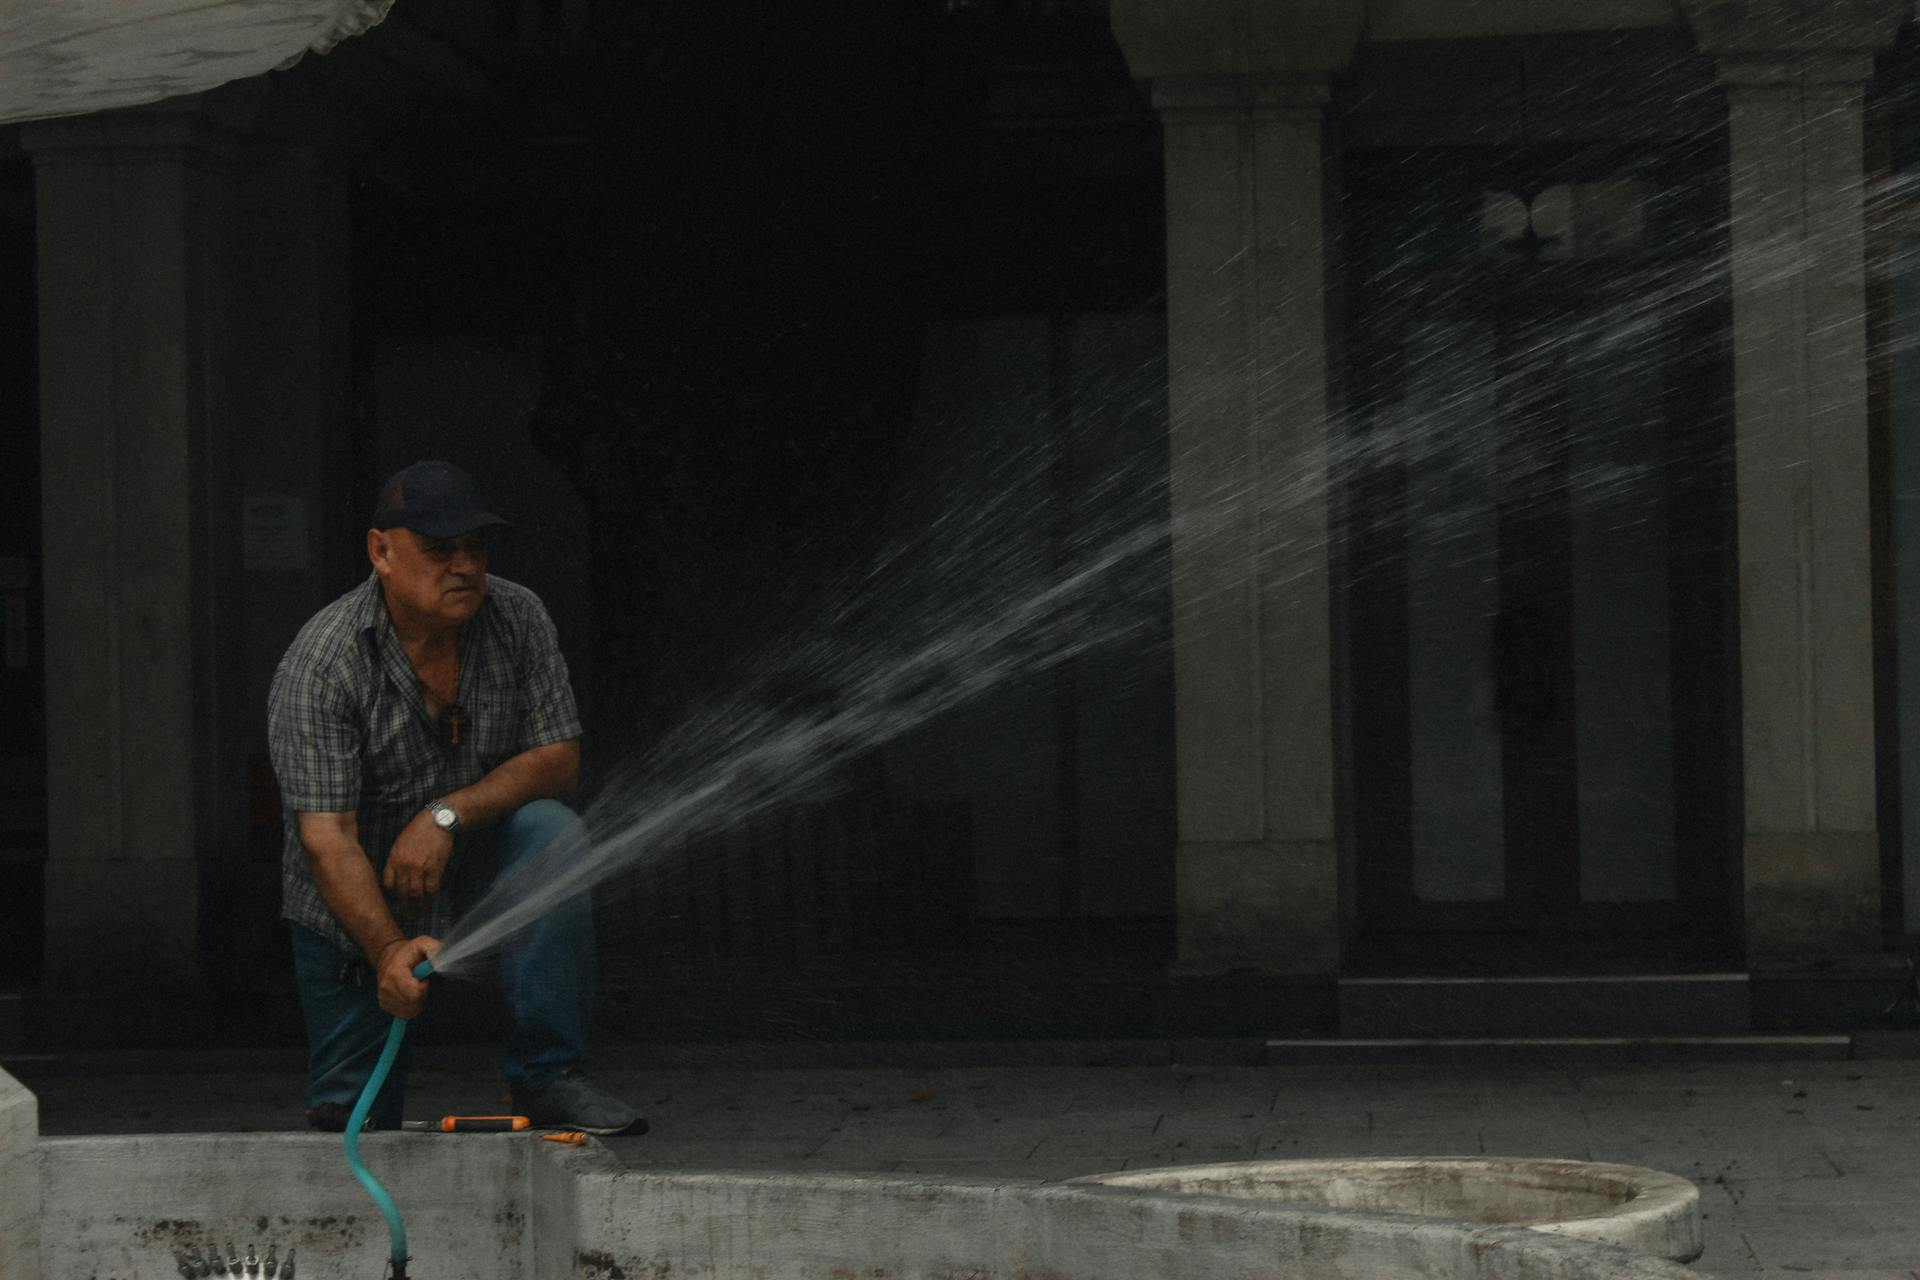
<point>396,1229</point>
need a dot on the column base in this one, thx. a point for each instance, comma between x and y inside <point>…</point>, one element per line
<point>1812,894</point>
<point>1271,905</point>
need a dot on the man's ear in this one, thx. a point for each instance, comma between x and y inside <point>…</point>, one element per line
<point>379,548</point>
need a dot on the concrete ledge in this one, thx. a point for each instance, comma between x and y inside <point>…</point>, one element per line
<point>1641,1209</point>
<point>19,1181</point>
<point>509,1207</point>
<point>120,1206</point>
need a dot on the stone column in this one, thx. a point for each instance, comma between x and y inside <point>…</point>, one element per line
<point>1242,90</point>
<point>1794,71</point>
<point>143,770</point>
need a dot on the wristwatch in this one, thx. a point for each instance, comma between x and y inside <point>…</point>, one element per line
<point>444,817</point>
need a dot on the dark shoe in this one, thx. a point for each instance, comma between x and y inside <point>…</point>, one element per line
<point>574,1102</point>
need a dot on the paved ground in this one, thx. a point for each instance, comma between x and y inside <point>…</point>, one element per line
<point>1805,1168</point>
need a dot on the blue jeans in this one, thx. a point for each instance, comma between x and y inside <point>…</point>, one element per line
<point>547,970</point>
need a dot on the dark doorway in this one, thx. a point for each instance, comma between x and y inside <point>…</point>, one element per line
<point>1540,566</point>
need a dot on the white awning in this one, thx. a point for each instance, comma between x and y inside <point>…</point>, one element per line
<point>68,57</point>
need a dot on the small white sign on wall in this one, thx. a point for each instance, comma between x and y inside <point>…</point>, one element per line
<point>274,532</point>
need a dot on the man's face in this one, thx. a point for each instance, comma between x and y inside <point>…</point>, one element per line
<point>440,580</point>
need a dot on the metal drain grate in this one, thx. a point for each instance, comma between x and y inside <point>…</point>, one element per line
<point>212,1262</point>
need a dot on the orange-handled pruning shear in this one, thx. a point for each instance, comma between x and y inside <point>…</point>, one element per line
<point>472,1124</point>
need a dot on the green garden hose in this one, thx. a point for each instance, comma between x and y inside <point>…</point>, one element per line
<point>396,1230</point>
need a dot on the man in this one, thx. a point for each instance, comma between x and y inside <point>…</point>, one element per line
<point>424,734</point>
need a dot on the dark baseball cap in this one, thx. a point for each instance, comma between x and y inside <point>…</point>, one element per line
<point>433,498</point>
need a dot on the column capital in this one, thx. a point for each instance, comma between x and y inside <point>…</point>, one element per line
<point>1798,43</point>
<point>1209,39</point>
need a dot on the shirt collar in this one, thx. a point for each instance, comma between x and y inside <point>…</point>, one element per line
<point>370,608</point>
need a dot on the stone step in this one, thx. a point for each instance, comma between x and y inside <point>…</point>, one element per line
<point>1556,1050</point>
<point>1688,1004</point>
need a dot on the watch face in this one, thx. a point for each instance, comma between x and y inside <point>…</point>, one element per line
<point>444,817</point>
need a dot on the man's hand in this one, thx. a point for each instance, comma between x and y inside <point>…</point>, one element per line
<point>417,863</point>
<point>402,994</point>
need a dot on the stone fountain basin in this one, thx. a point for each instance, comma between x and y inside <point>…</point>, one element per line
<point>1641,1209</point>
<point>510,1207</point>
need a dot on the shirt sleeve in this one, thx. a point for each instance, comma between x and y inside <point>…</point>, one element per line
<point>551,714</point>
<point>315,740</point>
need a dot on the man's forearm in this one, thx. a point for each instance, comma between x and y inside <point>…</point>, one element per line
<point>345,879</point>
<point>544,773</point>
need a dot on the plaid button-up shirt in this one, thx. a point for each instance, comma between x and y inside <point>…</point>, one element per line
<point>349,729</point>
